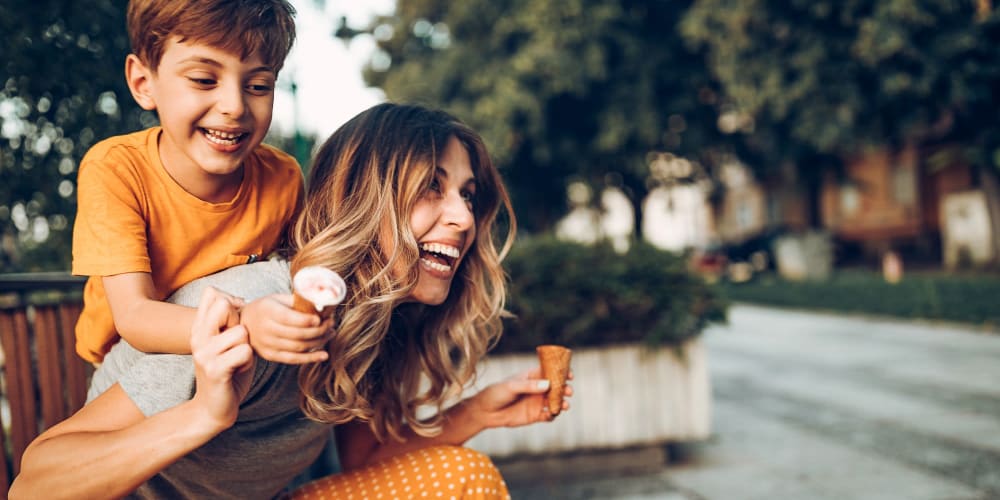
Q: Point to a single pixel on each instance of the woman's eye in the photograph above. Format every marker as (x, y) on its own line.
(434, 186)
(469, 197)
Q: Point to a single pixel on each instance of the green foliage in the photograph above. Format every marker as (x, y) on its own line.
(832, 76)
(963, 298)
(583, 89)
(301, 146)
(63, 90)
(562, 91)
(577, 295)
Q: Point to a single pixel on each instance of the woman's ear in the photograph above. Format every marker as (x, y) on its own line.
(139, 78)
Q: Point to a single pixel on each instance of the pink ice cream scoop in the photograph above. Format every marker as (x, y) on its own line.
(316, 289)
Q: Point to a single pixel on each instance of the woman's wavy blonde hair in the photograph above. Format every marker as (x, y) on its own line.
(388, 357)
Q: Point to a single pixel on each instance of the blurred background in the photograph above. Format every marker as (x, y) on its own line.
(688, 176)
(796, 137)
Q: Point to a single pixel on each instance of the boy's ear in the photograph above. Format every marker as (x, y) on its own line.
(139, 78)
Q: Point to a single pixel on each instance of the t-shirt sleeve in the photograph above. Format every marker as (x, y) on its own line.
(109, 235)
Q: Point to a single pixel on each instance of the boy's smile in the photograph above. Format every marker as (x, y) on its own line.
(214, 109)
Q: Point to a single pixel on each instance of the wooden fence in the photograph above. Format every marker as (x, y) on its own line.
(43, 380)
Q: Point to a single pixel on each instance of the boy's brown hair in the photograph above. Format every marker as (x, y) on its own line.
(243, 27)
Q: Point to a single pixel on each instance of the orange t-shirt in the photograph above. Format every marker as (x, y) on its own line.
(133, 217)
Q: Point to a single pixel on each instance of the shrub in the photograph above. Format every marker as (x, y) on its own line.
(935, 296)
(576, 295)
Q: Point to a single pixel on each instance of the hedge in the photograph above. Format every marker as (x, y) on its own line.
(929, 295)
(579, 295)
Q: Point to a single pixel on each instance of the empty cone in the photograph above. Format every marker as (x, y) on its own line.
(555, 368)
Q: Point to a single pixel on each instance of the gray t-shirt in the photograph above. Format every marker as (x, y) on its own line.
(272, 440)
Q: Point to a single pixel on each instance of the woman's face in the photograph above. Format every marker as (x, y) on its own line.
(443, 223)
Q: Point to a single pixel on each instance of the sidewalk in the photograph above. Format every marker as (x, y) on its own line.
(818, 407)
(637, 473)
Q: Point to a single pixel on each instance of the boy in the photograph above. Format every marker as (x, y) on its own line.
(197, 194)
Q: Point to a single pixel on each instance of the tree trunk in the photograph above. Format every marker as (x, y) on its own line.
(812, 182)
(635, 190)
(990, 180)
(637, 215)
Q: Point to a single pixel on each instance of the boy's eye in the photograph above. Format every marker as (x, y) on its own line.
(260, 88)
(203, 81)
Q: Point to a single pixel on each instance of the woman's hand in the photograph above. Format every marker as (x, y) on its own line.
(519, 400)
(223, 359)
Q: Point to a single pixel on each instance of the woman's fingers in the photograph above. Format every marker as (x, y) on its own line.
(528, 386)
(238, 357)
(213, 315)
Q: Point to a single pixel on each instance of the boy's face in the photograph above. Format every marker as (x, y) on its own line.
(214, 109)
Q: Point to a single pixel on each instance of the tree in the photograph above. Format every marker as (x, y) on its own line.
(822, 79)
(562, 91)
(63, 90)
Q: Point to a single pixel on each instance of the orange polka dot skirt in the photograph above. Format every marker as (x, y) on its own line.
(439, 472)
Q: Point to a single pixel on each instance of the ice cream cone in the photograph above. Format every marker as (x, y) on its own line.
(316, 289)
(302, 304)
(555, 368)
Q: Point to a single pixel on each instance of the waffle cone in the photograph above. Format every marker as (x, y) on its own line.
(555, 367)
(302, 304)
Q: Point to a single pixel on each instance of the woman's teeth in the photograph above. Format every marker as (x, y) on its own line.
(441, 256)
(434, 265)
(438, 248)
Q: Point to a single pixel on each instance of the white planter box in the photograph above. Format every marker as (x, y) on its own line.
(625, 395)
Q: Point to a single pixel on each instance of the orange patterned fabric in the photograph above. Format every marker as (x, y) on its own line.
(448, 472)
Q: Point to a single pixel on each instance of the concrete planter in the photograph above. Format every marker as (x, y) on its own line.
(624, 395)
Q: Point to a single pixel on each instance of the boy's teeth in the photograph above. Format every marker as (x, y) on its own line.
(220, 137)
(439, 248)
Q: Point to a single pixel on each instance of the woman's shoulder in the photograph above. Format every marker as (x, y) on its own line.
(247, 281)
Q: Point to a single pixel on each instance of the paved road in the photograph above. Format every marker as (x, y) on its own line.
(816, 406)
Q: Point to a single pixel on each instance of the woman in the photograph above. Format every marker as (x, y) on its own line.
(402, 203)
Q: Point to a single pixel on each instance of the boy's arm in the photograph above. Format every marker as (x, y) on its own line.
(109, 448)
(150, 325)
(277, 332)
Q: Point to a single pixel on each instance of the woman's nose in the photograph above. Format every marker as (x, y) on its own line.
(457, 211)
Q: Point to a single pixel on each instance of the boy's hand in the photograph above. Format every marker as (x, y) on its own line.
(282, 334)
(223, 359)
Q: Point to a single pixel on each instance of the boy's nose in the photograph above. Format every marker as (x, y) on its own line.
(231, 101)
